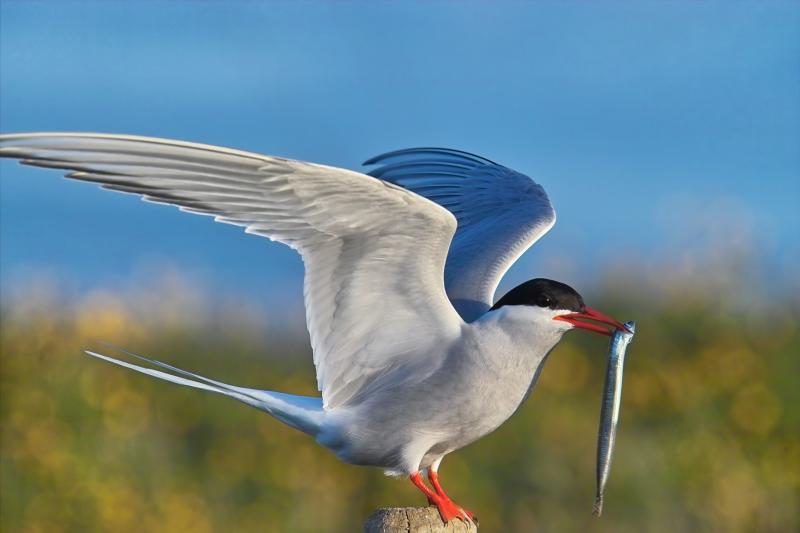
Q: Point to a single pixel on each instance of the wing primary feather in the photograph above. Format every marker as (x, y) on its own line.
(458, 154)
(500, 214)
(354, 233)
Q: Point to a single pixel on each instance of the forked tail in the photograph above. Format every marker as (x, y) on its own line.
(300, 412)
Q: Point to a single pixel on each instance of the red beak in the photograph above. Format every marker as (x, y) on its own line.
(595, 315)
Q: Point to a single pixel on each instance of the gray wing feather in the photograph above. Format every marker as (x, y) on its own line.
(500, 214)
(374, 253)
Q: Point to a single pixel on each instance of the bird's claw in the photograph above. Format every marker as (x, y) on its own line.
(448, 510)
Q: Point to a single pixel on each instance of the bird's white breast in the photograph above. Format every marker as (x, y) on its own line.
(502, 355)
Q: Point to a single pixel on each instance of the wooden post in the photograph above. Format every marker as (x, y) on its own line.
(414, 520)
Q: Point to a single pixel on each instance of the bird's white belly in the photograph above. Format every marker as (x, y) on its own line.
(405, 428)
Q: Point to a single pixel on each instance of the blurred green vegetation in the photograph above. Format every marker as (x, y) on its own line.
(709, 437)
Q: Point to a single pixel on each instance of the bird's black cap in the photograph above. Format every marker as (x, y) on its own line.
(542, 292)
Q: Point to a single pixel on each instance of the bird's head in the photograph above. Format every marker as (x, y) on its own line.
(558, 307)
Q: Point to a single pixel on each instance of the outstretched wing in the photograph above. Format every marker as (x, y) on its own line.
(374, 253)
(500, 213)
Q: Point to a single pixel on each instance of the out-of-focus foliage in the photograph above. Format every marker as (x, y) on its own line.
(709, 437)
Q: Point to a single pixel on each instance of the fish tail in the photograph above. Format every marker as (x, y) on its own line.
(597, 510)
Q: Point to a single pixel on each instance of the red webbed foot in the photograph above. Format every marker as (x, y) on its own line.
(433, 477)
(448, 509)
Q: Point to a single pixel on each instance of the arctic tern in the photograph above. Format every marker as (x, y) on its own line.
(414, 358)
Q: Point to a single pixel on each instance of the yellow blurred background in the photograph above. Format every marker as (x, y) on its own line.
(666, 134)
(708, 440)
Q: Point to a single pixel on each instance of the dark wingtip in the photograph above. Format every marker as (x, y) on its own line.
(429, 150)
(372, 160)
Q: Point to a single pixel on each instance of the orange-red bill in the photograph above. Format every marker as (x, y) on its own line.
(577, 320)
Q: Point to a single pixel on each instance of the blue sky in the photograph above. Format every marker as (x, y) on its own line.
(660, 129)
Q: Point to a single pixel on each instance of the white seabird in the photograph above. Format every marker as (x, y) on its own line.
(413, 358)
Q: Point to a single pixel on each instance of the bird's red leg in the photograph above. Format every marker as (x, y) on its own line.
(416, 479)
(447, 509)
(433, 476)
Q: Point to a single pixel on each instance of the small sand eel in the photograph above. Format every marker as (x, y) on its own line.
(609, 409)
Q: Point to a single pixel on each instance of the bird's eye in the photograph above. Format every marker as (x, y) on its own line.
(544, 300)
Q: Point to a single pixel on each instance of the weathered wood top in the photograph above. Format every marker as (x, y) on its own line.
(414, 520)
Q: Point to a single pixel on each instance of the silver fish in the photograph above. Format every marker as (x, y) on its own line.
(609, 409)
